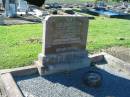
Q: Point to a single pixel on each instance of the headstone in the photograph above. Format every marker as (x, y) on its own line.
(64, 44)
(0, 1)
(10, 9)
(1, 19)
(7, 7)
(22, 6)
(13, 10)
(1, 5)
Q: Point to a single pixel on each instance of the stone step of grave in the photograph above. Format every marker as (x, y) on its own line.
(63, 62)
(64, 57)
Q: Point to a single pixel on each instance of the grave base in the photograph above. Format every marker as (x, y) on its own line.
(62, 62)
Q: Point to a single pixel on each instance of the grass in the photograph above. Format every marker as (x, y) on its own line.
(20, 45)
(106, 32)
(16, 48)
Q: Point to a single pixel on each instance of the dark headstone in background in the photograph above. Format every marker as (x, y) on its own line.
(36, 2)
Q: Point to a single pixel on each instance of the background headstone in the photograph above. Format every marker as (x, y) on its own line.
(13, 10)
(1, 19)
(7, 7)
(64, 44)
(10, 9)
(1, 4)
(22, 6)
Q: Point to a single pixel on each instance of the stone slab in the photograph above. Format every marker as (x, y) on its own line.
(64, 33)
(21, 71)
(10, 86)
(118, 62)
(2, 90)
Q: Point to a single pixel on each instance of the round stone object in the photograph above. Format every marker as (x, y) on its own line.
(93, 79)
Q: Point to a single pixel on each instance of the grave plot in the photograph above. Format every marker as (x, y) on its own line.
(64, 68)
(115, 80)
(115, 83)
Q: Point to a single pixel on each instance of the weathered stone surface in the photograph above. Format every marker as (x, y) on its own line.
(10, 85)
(64, 43)
(2, 90)
(64, 33)
(10, 8)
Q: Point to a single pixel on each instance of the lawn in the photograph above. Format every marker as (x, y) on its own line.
(20, 44)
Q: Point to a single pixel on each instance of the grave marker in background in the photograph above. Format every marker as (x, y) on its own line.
(64, 44)
(1, 19)
(22, 6)
(10, 9)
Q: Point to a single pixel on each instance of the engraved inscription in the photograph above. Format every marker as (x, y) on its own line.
(63, 34)
(66, 33)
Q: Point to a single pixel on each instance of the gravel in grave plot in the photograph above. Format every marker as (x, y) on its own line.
(122, 53)
(116, 83)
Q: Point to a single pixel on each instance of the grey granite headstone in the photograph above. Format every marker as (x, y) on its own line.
(64, 44)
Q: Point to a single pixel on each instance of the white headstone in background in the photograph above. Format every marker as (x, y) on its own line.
(1, 4)
(22, 6)
(13, 10)
(6, 7)
(0, 1)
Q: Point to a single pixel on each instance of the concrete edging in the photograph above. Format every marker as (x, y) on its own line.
(9, 83)
(110, 60)
(21, 71)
